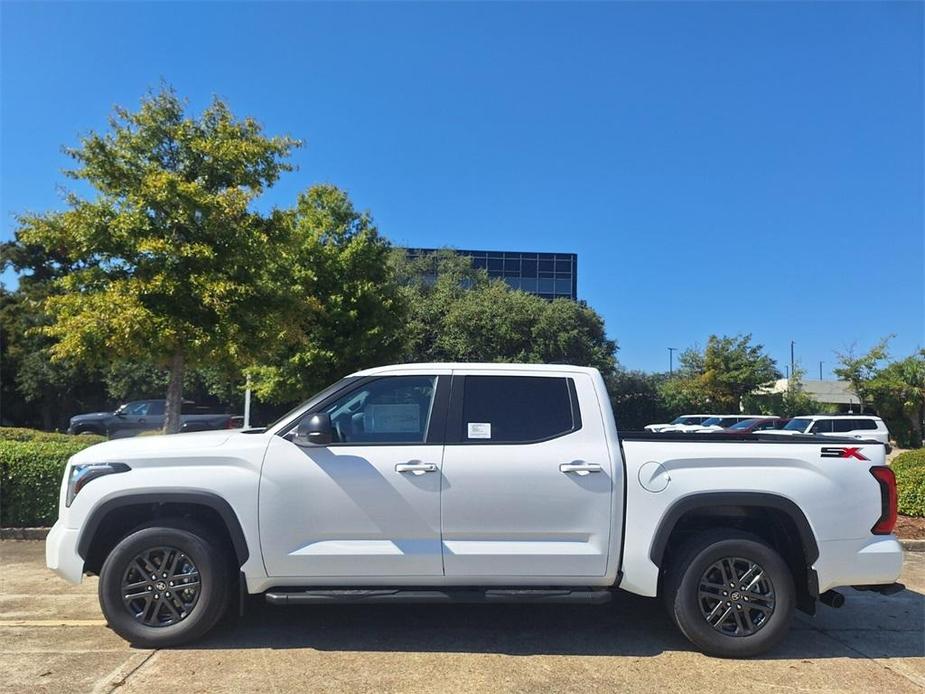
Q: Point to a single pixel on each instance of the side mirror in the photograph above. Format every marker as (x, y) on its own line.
(313, 431)
(120, 413)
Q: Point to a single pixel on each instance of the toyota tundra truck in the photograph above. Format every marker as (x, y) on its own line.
(475, 483)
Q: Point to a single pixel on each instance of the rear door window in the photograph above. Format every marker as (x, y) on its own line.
(515, 409)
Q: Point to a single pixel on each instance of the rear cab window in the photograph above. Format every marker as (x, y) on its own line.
(517, 409)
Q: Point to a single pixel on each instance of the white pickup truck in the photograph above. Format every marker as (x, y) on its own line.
(475, 482)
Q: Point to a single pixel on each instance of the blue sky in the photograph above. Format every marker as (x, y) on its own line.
(718, 168)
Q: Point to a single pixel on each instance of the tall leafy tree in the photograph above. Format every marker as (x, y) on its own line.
(458, 314)
(734, 367)
(860, 370)
(166, 263)
(895, 388)
(341, 304)
(720, 376)
(36, 390)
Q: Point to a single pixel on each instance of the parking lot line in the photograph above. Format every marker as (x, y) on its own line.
(52, 622)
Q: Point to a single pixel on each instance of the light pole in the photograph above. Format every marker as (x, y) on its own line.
(247, 404)
(792, 362)
(820, 369)
(671, 351)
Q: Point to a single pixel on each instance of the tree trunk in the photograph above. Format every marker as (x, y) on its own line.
(174, 395)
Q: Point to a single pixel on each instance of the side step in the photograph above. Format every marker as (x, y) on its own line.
(387, 595)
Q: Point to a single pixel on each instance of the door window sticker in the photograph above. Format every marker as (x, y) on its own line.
(390, 419)
(479, 430)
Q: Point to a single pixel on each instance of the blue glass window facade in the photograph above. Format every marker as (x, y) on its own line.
(549, 275)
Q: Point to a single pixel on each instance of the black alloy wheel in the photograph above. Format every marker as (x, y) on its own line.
(736, 596)
(161, 586)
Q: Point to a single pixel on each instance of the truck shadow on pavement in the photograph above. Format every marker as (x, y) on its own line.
(868, 626)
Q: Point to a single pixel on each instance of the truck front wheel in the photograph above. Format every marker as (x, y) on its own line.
(730, 594)
(164, 586)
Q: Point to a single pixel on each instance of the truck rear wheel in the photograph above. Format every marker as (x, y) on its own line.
(164, 586)
(730, 594)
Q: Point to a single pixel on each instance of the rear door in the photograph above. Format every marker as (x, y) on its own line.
(527, 477)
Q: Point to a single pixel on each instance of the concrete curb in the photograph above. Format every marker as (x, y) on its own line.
(42, 533)
(23, 533)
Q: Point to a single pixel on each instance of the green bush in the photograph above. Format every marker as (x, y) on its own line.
(30, 478)
(910, 482)
(23, 434)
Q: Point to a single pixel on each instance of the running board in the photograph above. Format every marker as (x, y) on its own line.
(494, 595)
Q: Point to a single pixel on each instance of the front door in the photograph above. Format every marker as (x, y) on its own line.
(368, 504)
(528, 479)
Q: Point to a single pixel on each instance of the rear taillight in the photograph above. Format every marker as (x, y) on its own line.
(887, 481)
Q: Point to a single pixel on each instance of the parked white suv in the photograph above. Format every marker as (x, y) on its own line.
(715, 423)
(475, 483)
(858, 426)
(684, 419)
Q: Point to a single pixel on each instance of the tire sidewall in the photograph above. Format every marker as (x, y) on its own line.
(209, 607)
(686, 608)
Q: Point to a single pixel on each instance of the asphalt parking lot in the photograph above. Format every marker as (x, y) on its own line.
(53, 638)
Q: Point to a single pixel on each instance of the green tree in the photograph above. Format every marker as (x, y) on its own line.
(342, 305)
(719, 377)
(167, 264)
(732, 368)
(795, 401)
(35, 390)
(458, 314)
(859, 371)
(637, 399)
(895, 388)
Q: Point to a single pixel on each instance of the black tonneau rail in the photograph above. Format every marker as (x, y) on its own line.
(731, 437)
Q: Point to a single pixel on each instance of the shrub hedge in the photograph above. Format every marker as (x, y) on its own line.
(23, 434)
(31, 467)
(910, 482)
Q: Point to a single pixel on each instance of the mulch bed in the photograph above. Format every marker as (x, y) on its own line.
(909, 528)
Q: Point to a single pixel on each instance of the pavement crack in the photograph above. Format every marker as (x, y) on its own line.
(113, 686)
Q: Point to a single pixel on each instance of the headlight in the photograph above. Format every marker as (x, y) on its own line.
(80, 475)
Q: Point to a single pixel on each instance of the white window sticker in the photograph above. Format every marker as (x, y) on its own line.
(479, 430)
(392, 419)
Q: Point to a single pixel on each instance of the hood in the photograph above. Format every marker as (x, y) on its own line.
(141, 447)
(90, 415)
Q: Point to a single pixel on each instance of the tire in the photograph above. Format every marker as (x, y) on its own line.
(89, 431)
(747, 622)
(186, 553)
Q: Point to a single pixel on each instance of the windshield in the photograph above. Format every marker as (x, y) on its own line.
(798, 424)
(686, 419)
(745, 424)
(712, 421)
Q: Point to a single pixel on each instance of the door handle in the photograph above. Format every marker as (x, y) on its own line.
(416, 468)
(580, 468)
